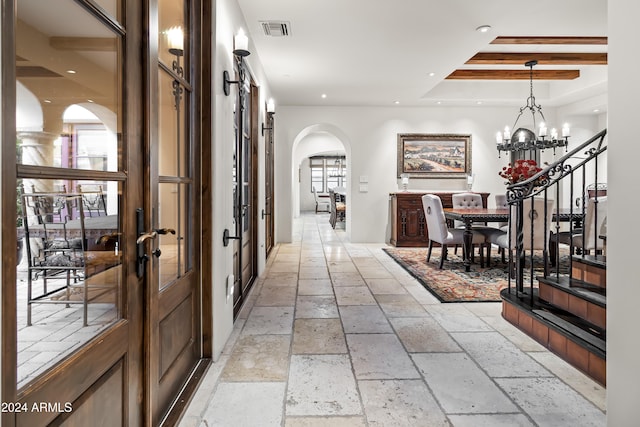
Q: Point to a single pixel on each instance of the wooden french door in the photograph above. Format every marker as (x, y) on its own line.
(268, 183)
(244, 191)
(105, 104)
(72, 344)
(172, 239)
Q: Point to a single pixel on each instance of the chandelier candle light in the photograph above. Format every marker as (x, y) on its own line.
(523, 139)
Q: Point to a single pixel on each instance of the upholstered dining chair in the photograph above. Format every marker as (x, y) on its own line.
(440, 233)
(536, 211)
(502, 203)
(469, 201)
(587, 238)
(322, 202)
(338, 209)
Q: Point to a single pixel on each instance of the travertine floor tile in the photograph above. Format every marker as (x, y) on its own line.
(550, 402)
(584, 385)
(269, 320)
(322, 385)
(316, 306)
(400, 306)
(423, 335)
(347, 279)
(456, 318)
(497, 420)
(403, 403)
(278, 296)
(385, 286)
(258, 358)
(325, 421)
(380, 356)
(460, 386)
(315, 287)
(498, 356)
(354, 295)
(318, 336)
(364, 319)
(246, 404)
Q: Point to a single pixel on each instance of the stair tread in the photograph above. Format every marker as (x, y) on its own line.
(573, 329)
(578, 288)
(599, 261)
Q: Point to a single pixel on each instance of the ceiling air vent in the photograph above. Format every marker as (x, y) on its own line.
(275, 28)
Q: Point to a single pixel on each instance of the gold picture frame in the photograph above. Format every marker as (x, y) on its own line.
(423, 155)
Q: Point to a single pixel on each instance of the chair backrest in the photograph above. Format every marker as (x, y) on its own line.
(595, 216)
(501, 201)
(93, 199)
(534, 210)
(332, 201)
(434, 216)
(52, 238)
(315, 194)
(467, 201)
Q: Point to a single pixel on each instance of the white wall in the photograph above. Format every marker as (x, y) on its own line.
(371, 135)
(227, 21)
(623, 291)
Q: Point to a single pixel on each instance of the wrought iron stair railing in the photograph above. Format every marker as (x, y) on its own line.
(576, 186)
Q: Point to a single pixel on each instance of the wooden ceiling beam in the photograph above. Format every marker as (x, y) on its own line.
(550, 40)
(513, 75)
(556, 58)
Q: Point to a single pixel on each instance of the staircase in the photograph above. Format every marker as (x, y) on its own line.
(564, 308)
(568, 316)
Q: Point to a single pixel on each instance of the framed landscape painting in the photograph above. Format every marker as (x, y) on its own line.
(434, 155)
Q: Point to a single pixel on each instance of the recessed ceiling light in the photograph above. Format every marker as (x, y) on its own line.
(596, 110)
(479, 102)
(483, 28)
(90, 100)
(47, 101)
(71, 71)
(438, 102)
(396, 102)
(432, 74)
(323, 96)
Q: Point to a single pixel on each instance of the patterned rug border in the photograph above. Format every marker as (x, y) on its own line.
(420, 278)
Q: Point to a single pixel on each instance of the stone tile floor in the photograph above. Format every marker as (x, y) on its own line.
(337, 334)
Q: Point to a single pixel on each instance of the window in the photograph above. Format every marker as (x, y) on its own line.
(328, 172)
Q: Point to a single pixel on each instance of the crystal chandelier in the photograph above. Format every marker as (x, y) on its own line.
(523, 139)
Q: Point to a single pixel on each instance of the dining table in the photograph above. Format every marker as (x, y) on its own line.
(487, 215)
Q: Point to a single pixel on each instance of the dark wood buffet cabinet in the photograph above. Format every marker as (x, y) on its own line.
(408, 226)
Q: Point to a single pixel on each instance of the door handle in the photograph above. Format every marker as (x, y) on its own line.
(226, 237)
(145, 236)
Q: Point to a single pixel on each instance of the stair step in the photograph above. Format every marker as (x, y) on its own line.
(563, 333)
(590, 269)
(573, 329)
(587, 291)
(594, 260)
(588, 303)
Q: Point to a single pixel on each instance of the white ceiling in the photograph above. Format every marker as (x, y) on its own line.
(377, 52)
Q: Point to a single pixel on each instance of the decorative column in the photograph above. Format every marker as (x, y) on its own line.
(37, 149)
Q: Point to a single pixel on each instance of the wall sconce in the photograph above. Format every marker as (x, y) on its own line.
(175, 41)
(241, 49)
(271, 110)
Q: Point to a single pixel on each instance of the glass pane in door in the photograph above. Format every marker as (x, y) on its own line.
(68, 146)
(173, 214)
(69, 278)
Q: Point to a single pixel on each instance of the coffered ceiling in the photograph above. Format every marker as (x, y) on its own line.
(428, 52)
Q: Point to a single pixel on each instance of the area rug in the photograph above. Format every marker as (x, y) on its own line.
(453, 283)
